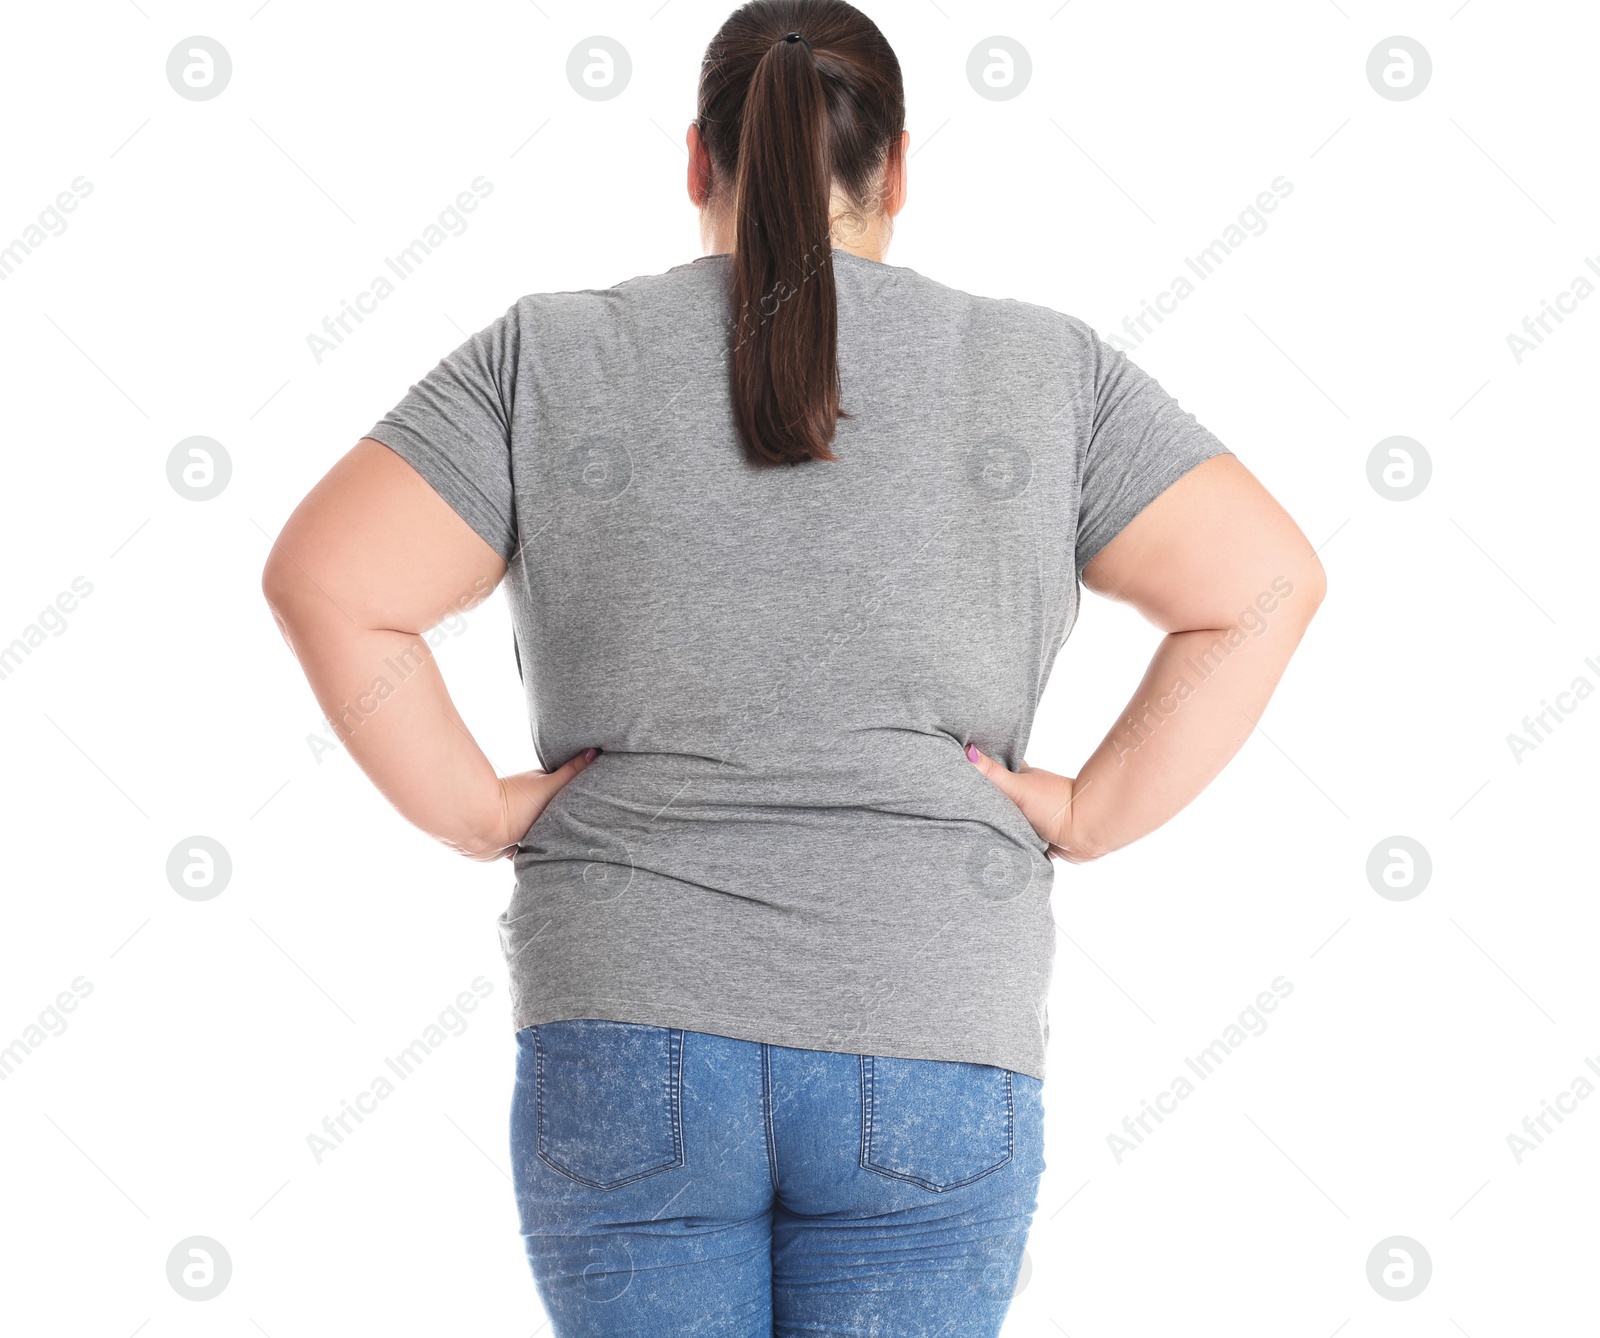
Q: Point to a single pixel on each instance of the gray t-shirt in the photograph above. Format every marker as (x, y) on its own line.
(783, 840)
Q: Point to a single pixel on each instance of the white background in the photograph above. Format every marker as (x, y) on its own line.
(219, 1034)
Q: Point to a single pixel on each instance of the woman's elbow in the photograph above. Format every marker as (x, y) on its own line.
(291, 593)
(1310, 583)
(279, 582)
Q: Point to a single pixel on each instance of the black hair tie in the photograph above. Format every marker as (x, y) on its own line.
(795, 37)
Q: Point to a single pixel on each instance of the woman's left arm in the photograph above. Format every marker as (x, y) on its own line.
(1219, 567)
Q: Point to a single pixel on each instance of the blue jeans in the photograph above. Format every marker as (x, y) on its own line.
(673, 1183)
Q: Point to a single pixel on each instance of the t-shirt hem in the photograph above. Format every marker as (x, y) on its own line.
(566, 1008)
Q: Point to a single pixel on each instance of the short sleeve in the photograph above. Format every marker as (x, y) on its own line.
(1141, 443)
(454, 428)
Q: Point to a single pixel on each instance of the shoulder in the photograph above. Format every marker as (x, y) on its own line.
(1007, 319)
(687, 303)
(699, 276)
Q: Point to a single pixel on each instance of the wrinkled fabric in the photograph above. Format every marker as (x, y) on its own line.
(783, 840)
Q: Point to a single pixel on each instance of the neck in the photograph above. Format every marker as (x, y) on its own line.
(864, 235)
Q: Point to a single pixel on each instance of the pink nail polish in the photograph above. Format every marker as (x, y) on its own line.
(972, 752)
(590, 755)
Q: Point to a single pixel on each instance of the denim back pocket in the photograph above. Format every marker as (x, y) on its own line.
(936, 1123)
(609, 1100)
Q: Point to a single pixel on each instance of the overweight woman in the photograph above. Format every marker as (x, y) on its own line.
(791, 537)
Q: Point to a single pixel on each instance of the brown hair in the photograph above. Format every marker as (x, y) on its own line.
(795, 95)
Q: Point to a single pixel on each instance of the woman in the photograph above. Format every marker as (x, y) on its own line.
(791, 538)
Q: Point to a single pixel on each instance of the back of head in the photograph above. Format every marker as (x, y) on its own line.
(798, 99)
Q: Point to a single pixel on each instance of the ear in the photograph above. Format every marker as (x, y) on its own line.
(699, 168)
(894, 176)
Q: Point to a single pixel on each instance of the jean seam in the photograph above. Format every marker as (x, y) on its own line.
(1011, 1118)
(675, 1088)
(866, 1112)
(768, 1132)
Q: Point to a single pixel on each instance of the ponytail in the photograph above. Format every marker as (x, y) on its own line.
(786, 336)
(796, 97)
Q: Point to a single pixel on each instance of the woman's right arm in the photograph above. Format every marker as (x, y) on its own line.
(369, 561)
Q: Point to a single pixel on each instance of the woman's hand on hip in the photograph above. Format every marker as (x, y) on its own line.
(1044, 798)
(522, 798)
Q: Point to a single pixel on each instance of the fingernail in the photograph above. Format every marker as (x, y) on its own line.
(589, 755)
(972, 752)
